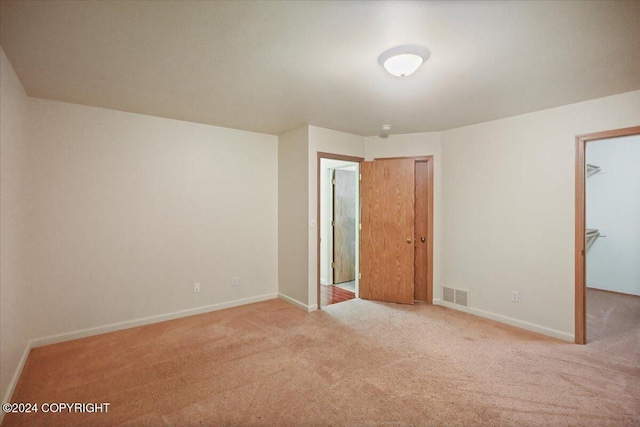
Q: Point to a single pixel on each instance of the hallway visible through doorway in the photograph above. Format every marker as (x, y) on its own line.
(339, 235)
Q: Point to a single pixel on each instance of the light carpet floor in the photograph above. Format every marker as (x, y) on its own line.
(358, 363)
(611, 316)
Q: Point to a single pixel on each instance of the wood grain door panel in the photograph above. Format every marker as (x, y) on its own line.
(387, 216)
(421, 230)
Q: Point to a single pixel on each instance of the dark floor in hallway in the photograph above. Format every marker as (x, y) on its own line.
(334, 294)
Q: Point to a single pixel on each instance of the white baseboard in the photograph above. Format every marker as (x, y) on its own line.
(16, 377)
(323, 282)
(510, 321)
(305, 307)
(147, 320)
(454, 306)
(614, 291)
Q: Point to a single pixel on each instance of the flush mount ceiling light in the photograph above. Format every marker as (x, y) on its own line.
(402, 61)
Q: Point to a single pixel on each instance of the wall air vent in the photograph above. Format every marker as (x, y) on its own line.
(448, 295)
(462, 297)
(455, 296)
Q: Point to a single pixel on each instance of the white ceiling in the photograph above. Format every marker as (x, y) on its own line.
(274, 66)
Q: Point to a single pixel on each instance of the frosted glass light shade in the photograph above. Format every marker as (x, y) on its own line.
(403, 65)
(402, 61)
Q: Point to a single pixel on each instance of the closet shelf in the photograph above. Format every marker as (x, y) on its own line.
(592, 235)
(592, 169)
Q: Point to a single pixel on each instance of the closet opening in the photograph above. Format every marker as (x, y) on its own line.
(607, 246)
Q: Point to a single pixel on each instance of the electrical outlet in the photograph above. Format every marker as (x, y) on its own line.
(234, 281)
(196, 287)
(515, 296)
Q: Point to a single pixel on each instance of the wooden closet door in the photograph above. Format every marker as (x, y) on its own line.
(387, 216)
(421, 292)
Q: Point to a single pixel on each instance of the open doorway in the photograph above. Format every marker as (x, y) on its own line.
(607, 236)
(338, 180)
(613, 237)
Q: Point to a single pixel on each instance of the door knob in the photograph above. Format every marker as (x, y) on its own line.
(422, 239)
(408, 239)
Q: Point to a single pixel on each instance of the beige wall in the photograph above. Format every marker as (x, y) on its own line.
(509, 195)
(129, 211)
(14, 322)
(326, 141)
(414, 145)
(298, 222)
(293, 214)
